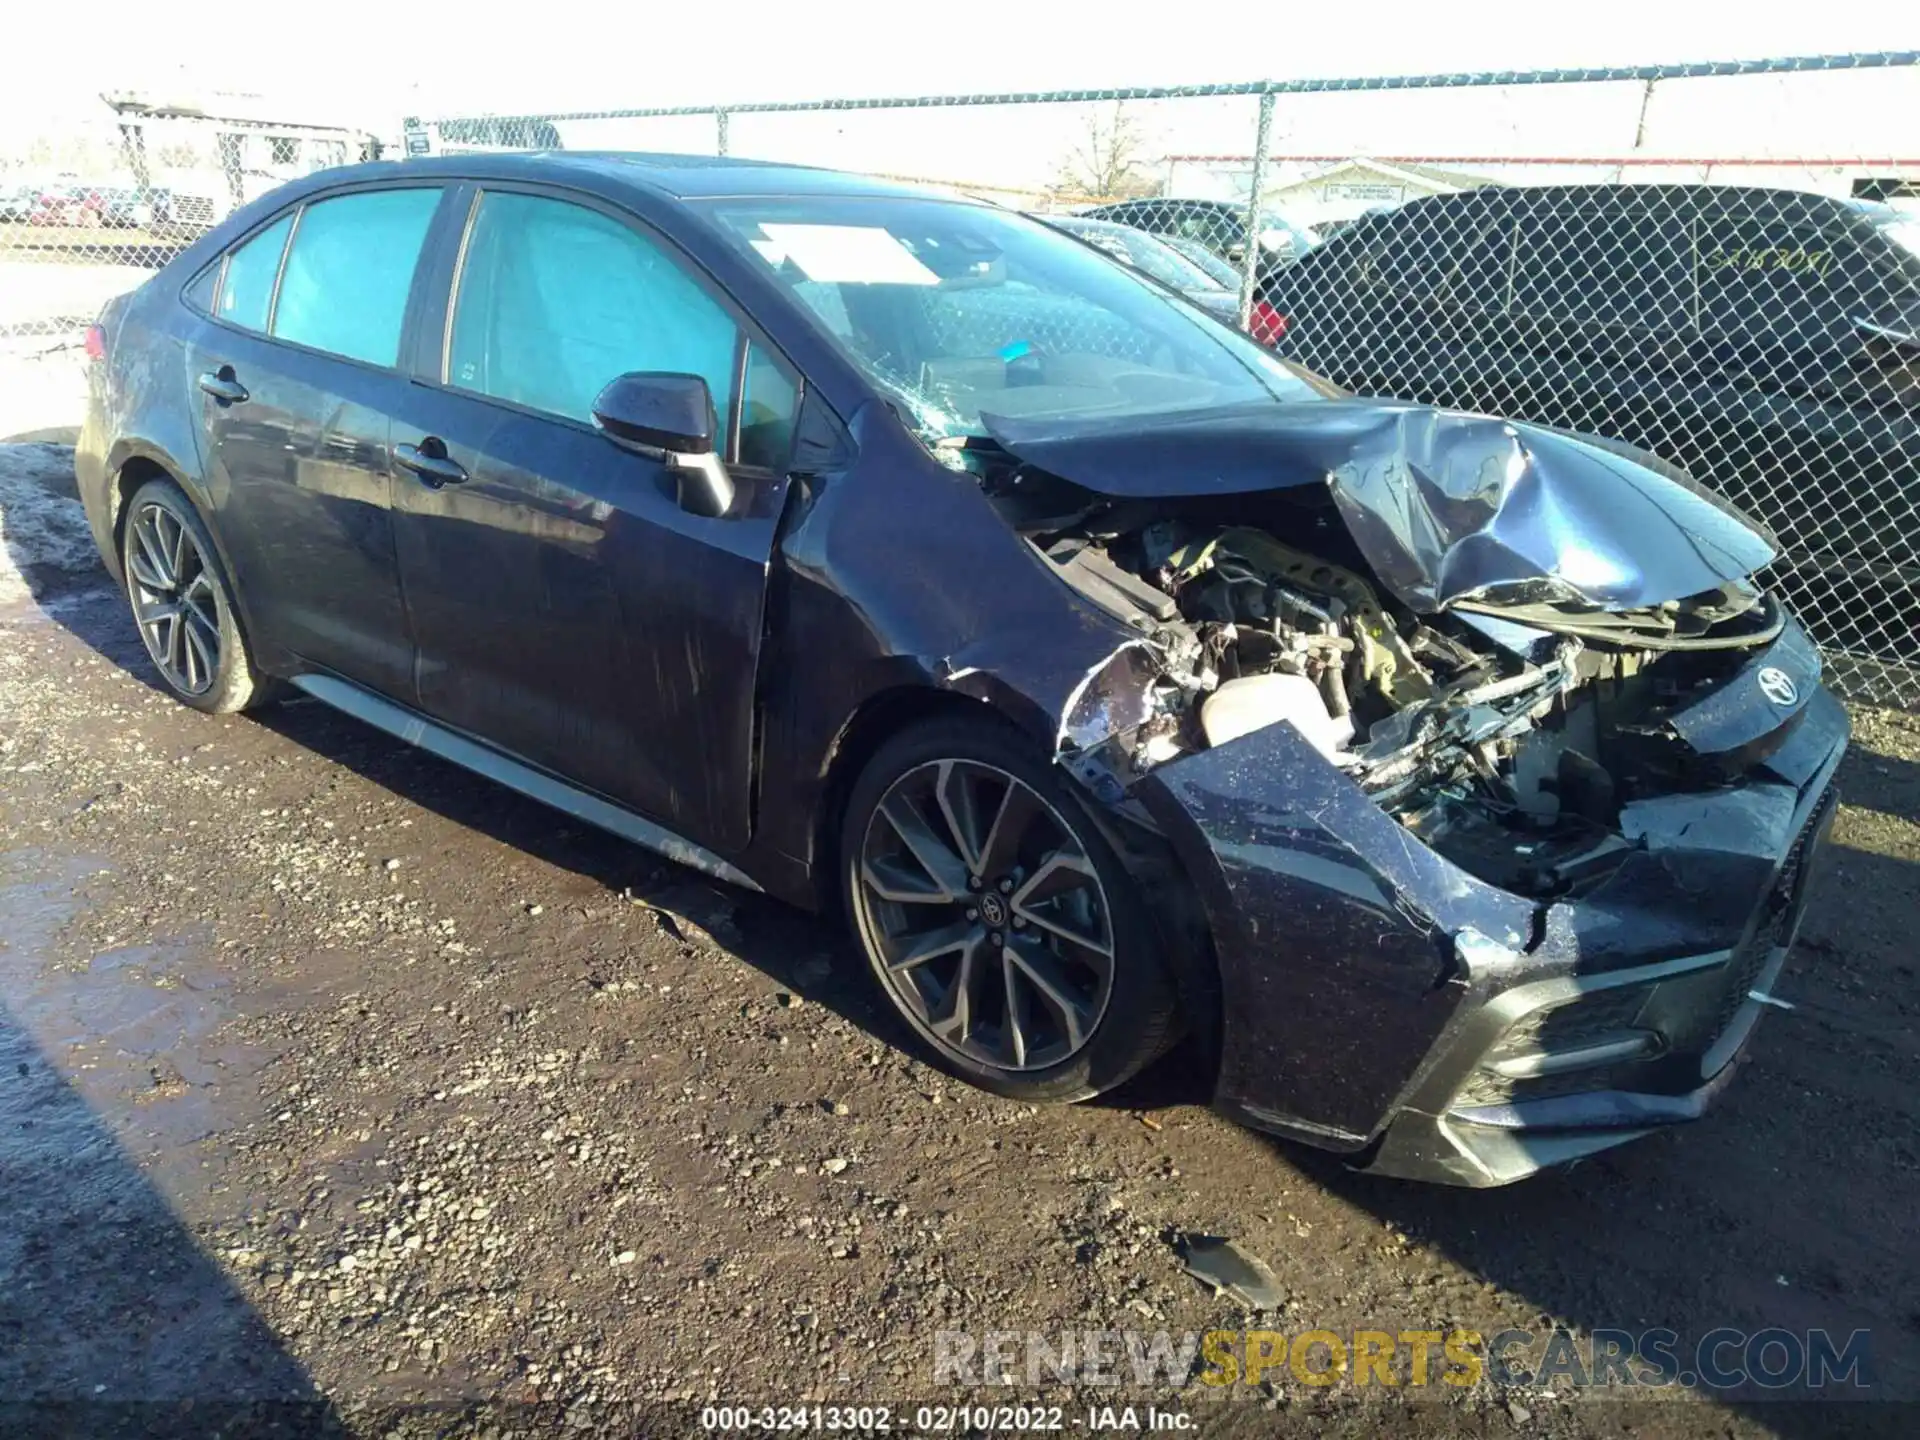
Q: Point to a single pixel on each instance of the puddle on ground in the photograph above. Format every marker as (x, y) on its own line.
(114, 1068)
(142, 1033)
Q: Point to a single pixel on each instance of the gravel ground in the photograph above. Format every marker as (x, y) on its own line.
(333, 1074)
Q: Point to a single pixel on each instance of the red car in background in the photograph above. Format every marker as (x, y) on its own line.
(66, 205)
(82, 206)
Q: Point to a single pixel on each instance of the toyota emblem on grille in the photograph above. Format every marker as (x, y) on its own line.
(1778, 686)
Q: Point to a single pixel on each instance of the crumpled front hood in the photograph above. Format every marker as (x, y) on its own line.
(1446, 507)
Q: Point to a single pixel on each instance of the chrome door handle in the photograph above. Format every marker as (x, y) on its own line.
(222, 386)
(429, 461)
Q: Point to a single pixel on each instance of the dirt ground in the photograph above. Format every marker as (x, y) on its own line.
(333, 1075)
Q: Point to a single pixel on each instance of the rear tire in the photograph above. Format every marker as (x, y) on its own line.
(998, 920)
(183, 604)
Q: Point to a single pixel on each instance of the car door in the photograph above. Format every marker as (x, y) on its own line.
(1407, 315)
(1801, 422)
(296, 370)
(1600, 311)
(565, 607)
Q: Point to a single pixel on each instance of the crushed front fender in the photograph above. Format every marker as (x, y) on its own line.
(1377, 999)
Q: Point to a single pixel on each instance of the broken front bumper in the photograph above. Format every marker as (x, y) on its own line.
(1378, 1000)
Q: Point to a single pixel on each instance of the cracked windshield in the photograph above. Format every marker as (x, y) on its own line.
(962, 311)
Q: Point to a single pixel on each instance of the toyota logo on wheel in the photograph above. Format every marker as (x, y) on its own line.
(1778, 686)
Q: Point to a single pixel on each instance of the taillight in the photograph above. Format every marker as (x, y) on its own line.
(96, 343)
(1266, 324)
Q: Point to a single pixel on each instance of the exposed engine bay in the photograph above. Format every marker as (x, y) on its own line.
(1506, 734)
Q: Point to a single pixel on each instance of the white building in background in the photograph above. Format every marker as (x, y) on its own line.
(1344, 190)
(211, 153)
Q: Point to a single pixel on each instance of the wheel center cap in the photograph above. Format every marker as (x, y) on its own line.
(993, 910)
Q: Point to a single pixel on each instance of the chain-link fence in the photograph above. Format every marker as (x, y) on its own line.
(93, 203)
(1716, 262)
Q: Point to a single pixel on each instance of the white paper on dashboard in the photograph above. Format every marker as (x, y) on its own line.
(857, 254)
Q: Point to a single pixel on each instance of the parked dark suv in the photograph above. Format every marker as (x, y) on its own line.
(1766, 341)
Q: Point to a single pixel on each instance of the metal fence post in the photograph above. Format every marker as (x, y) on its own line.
(720, 132)
(1250, 262)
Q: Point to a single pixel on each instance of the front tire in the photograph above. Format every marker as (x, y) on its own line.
(183, 603)
(998, 920)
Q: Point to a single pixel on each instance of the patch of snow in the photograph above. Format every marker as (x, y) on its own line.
(43, 531)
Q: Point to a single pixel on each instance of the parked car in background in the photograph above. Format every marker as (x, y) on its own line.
(154, 208)
(1767, 341)
(68, 205)
(86, 206)
(1451, 780)
(18, 202)
(1220, 225)
(1151, 255)
(122, 206)
(1206, 259)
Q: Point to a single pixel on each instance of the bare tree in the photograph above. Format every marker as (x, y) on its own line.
(1109, 159)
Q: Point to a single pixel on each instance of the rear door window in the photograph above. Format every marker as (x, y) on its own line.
(1769, 273)
(1433, 251)
(1443, 250)
(204, 293)
(349, 270)
(246, 289)
(1478, 270)
(556, 299)
(1606, 259)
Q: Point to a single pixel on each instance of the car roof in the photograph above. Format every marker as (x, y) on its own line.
(1147, 201)
(1744, 197)
(684, 177)
(1087, 222)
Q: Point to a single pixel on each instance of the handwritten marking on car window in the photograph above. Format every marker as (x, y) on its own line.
(1776, 257)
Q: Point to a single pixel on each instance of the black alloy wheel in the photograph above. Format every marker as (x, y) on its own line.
(183, 603)
(174, 599)
(999, 922)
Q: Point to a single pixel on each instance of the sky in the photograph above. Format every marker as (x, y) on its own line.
(369, 62)
(581, 54)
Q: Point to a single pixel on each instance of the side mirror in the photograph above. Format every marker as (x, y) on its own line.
(672, 416)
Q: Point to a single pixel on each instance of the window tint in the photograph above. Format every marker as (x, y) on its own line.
(1768, 272)
(247, 291)
(961, 311)
(1481, 276)
(349, 270)
(200, 293)
(767, 402)
(556, 300)
(1606, 260)
(1450, 249)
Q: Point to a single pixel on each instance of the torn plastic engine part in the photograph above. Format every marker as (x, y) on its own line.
(1250, 702)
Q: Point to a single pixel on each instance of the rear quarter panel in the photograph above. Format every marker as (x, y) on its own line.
(143, 412)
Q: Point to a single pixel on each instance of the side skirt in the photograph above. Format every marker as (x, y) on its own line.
(481, 759)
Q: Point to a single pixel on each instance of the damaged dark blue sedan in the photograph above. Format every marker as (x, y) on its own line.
(1452, 781)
